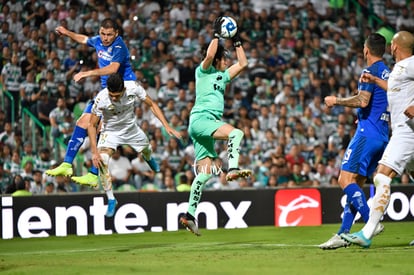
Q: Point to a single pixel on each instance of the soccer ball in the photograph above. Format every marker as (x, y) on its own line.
(228, 27)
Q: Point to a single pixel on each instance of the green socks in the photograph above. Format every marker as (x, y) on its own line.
(233, 148)
(196, 190)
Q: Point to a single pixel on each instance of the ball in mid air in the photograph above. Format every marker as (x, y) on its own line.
(228, 27)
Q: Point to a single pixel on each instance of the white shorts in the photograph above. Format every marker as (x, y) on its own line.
(399, 153)
(136, 139)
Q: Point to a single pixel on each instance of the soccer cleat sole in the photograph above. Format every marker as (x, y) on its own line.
(334, 243)
(55, 174)
(90, 184)
(345, 245)
(184, 222)
(238, 174)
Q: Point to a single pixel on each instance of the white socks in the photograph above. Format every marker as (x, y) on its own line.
(379, 204)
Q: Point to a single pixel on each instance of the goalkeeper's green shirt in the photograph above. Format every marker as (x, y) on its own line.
(210, 87)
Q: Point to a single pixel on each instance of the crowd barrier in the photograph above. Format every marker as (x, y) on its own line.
(138, 212)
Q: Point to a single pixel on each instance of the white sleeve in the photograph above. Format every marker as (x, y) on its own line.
(140, 92)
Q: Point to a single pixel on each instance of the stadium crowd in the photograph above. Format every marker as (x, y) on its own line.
(298, 53)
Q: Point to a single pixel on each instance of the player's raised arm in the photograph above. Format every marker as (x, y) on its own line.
(212, 47)
(159, 114)
(242, 62)
(107, 70)
(77, 37)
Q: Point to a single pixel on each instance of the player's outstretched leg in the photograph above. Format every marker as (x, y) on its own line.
(75, 142)
(188, 220)
(233, 148)
(107, 186)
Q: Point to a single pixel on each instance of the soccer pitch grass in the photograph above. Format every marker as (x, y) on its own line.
(254, 250)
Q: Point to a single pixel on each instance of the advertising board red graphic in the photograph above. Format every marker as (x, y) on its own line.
(298, 207)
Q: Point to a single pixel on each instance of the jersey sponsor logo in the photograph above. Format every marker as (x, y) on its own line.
(105, 55)
(385, 117)
(357, 194)
(385, 74)
(298, 207)
(111, 109)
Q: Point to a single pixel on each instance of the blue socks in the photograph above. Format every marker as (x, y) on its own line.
(355, 202)
(94, 170)
(347, 219)
(75, 142)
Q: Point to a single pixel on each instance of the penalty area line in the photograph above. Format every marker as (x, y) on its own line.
(279, 245)
(57, 251)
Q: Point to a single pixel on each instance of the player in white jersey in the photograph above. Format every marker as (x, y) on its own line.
(115, 106)
(399, 153)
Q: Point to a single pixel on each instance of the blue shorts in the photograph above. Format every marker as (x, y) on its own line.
(362, 155)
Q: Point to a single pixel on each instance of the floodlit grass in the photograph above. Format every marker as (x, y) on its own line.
(255, 250)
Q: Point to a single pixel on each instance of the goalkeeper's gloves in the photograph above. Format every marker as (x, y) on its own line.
(236, 40)
(217, 26)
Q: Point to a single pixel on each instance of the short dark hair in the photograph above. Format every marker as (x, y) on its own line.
(376, 43)
(108, 23)
(115, 83)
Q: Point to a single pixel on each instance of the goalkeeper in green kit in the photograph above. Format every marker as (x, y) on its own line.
(212, 76)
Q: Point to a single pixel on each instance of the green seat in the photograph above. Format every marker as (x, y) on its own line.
(126, 187)
(78, 110)
(387, 33)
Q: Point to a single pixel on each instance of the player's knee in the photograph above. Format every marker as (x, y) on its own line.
(105, 158)
(203, 177)
(83, 121)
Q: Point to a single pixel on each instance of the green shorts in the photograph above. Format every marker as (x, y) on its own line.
(201, 129)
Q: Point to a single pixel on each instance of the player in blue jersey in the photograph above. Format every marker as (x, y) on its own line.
(206, 126)
(113, 57)
(399, 154)
(371, 137)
